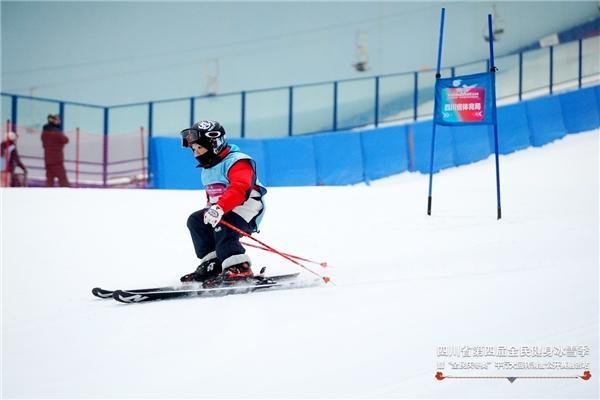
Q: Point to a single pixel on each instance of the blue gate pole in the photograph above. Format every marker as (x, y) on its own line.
(105, 149)
(290, 111)
(494, 116)
(376, 101)
(335, 104)
(243, 116)
(437, 76)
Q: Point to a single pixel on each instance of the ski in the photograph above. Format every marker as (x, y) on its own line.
(108, 294)
(223, 289)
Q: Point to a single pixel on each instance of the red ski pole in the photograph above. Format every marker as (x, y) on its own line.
(326, 279)
(322, 264)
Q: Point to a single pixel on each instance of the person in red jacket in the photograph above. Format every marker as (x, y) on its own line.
(10, 160)
(233, 194)
(54, 141)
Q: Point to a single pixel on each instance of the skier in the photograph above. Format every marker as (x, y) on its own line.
(233, 193)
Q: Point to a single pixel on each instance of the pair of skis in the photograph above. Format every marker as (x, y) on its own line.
(224, 288)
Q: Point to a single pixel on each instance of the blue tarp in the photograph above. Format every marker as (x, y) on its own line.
(173, 167)
(291, 161)
(471, 143)
(545, 120)
(513, 128)
(580, 110)
(338, 158)
(444, 152)
(384, 151)
(255, 148)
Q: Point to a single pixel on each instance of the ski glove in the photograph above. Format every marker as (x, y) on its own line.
(213, 215)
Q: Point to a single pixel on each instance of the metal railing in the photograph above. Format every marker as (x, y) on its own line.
(317, 107)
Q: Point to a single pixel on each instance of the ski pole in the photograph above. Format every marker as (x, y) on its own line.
(241, 232)
(322, 264)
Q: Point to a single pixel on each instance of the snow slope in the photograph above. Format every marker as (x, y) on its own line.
(406, 284)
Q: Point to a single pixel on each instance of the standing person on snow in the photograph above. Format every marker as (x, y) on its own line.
(54, 141)
(9, 160)
(234, 195)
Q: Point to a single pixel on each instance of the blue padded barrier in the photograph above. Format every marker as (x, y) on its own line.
(291, 161)
(384, 151)
(471, 143)
(339, 158)
(255, 148)
(545, 120)
(580, 110)
(513, 129)
(443, 154)
(173, 167)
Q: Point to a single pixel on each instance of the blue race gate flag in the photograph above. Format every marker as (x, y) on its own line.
(465, 100)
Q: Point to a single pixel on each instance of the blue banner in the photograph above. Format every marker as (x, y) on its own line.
(465, 100)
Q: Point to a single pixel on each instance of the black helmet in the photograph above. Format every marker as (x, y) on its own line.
(208, 134)
(211, 136)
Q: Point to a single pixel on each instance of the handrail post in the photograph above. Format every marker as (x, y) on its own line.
(580, 66)
(551, 83)
(192, 110)
(415, 95)
(520, 75)
(105, 150)
(243, 115)
(335, 104)
(376, 112)
(290, 111)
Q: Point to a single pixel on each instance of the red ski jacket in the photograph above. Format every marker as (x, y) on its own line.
(54, 140)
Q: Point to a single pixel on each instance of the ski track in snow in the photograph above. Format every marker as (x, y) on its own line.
(405, 283)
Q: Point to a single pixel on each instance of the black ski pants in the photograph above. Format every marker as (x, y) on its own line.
(221, 239)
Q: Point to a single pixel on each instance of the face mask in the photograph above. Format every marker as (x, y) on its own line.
(207, 160)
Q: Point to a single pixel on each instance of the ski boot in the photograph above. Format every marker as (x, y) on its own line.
(207, 270)
(230, 276)
(238, 272)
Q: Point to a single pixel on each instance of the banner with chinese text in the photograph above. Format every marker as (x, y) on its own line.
(465, 100)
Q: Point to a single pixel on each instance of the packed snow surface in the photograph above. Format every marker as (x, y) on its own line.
(405, 284)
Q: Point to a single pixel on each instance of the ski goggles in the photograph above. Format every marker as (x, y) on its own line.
(192, 135)
(189, 136)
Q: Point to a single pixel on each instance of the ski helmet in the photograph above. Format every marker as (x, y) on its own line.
(208, 134)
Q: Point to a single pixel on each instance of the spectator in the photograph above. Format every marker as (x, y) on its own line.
(10, 160)
(54, 141)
